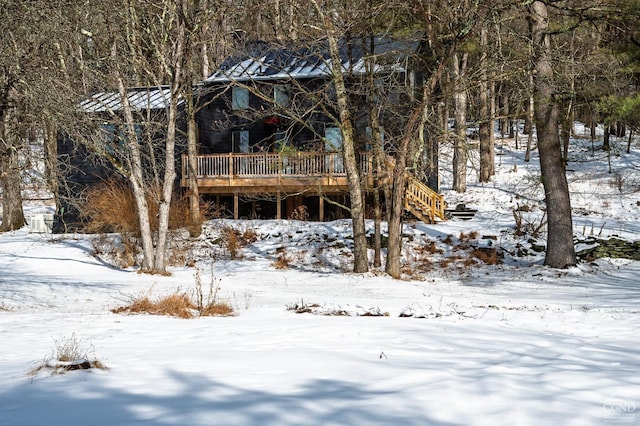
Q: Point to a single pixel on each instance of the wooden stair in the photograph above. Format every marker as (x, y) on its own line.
(421, 201)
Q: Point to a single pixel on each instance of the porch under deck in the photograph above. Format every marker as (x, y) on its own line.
(274, 174)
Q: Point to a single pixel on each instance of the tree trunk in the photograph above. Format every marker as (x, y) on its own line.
(560, 249)
(530, 118)
(484, 133)
(10, 176)
(195, 229)
(460, 141)
(415, 122)
(168, 182)
(565, 136)
(356, 193)
(51, 157)
(136, 179)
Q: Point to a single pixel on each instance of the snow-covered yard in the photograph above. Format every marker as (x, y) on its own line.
(457, 342)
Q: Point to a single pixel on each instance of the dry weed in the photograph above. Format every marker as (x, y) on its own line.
(181, 304)
(283, 260)
(300, 213)
(234, 240)
(466, 237)
(178, 304)
(70, 354)
(490, 256)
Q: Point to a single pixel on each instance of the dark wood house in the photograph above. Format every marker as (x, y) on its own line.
(269, 137)
(93, 151)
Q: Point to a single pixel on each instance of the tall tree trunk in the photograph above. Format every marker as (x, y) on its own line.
(192, 153)
(136, 178)
(51, 157)
(168, 182)
(379, 156)
(606, 144)
(356, 193)
(486, 122)
(460, 141)
(406, 149)
(10, 176)
(560, 249)
(492, 134)
(530, 117)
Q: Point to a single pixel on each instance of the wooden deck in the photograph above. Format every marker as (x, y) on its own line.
(308, 173)
(233, 173)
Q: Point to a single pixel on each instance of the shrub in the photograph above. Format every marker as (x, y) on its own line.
(300, 213)
(110, 207)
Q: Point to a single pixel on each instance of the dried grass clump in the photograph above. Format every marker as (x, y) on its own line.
(181, 304)
(234, 240)
(69, 355)
(429, 248)
(466, 237)
(490, 256)
(282, 261)
(178, 304)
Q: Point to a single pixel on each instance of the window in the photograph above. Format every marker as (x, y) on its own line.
(333, 143)
(115, 137)
(280, 138)
(332, 139)
(370, 141)
(240, 139)
(239, 98)
(281, 95)
(108, 132)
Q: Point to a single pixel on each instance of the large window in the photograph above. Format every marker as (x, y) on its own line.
(114, 137)
(240, 141)
(332, 139)
(370, 141)
(239, 98)
(281, 95)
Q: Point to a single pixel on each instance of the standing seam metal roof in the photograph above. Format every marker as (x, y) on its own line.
(267, 61)
(139, 99)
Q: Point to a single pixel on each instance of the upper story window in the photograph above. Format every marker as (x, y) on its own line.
(333, 139)
(281, 95)
(239, 98)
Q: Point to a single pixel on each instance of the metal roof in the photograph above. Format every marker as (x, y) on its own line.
(270, 61)
(139, 99)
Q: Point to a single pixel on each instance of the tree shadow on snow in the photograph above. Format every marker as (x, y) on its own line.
(196, 400)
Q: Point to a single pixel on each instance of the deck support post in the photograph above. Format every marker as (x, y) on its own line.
(320, 208)
(278, 206)
(235, 206)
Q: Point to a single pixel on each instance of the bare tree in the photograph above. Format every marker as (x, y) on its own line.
(560, 250)
(458, 76)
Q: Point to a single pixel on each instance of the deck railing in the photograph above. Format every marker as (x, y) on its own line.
(272, 164)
